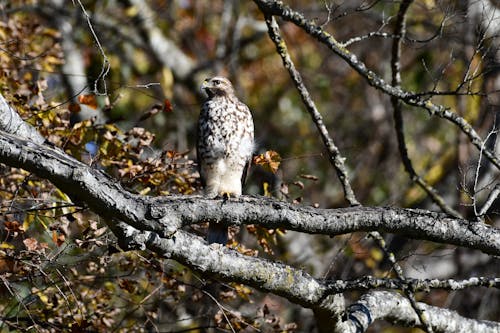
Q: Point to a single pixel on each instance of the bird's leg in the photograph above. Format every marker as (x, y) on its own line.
(226, 195)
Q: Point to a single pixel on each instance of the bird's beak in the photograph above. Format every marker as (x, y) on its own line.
(204, 85)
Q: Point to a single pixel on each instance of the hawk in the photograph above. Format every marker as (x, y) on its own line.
(224, 145)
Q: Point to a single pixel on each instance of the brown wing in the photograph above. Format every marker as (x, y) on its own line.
(246, 169)
(198, 136)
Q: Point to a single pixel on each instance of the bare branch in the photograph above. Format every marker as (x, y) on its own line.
(407, 289)
(491, 199)
(106, 66)
(492, 196)
(370, 282)
(166, 214)
(277, 8)
(163, 49)
(400, 32)
(335, 158)
(11, 122)
(294, 284)
(395, 308)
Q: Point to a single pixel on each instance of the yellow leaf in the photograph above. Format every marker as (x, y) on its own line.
(377, 254)
(44, 298)
(61, 195)
(145, 191)
(5, 245)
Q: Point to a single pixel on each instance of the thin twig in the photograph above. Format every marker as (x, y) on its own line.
(400, 30)
(492, 196)
(336, 159)
(222, 308)
(397, 104)
(406, 288)
(16, 296)
(105, 61)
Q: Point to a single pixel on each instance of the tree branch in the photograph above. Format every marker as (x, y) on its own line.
(406, 288)
(335, 158)
(370, 282)
(11, 122)
(296, 285)
(277, 8)
(400, 32)
(163, 49)
(396, 308)
(166, 214)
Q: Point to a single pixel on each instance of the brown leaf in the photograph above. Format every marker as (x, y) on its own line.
(128, 285)
(171, 153)
(31, 244)
(13, 226)
(270, 160)
(58, 238)
(89, 100)
(74, 108)
(167, 106)
(265, 310)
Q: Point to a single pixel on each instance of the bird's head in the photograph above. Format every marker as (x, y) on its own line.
(217, 86)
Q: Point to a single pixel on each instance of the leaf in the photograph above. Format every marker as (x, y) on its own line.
(167, 106)
(267, 192)
(270, 160)
(5, 245)
(33, 245)
(90, 100)
(74, 108)
(128, 285)
(58, 238)
(265, 310)
(13, 226)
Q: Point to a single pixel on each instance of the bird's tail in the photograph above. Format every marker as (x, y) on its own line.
(217, 233)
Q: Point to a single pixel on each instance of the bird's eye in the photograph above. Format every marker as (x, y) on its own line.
(216, 82)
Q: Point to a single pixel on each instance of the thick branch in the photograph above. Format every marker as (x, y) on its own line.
(395, 308)
(165, 214)
(230, 265)
(411, 223)
(11, 122)
(295, 285)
